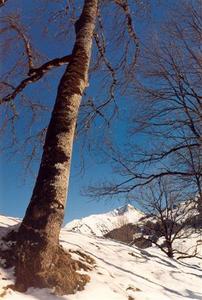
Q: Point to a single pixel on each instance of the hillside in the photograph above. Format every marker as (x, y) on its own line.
(120, 272)
(129, 225)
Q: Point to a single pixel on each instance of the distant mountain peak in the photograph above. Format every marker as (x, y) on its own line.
(101, 224)
(125, 208)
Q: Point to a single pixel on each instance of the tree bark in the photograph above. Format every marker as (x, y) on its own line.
(38, 235)
(199, 207)
(169, 248)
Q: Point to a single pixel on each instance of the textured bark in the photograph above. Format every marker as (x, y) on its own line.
(38, 236)
(199, 206)
(169, 249)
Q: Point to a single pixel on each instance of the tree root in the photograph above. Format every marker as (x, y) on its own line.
(62, 277)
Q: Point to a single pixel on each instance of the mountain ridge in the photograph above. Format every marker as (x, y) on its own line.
(101, 224)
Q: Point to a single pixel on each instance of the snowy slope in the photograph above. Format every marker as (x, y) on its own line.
(121, 272)
(6, 222)
(101, 224)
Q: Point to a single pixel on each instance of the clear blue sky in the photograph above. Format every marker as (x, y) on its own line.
(16, 189)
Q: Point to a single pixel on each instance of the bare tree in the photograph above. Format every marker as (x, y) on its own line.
(43, 219)
(38, 235)
(169, 219)
(167, 111)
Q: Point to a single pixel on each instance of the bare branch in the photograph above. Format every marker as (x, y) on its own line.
(35, 75)
(130, 27)
(13, 24)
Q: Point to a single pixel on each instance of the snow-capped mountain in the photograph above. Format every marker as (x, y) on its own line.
(100, 224)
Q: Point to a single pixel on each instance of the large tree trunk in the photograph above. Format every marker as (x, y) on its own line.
(38, 236)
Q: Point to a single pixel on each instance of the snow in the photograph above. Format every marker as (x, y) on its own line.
(120, 271)
(101, 224)
(6, 222)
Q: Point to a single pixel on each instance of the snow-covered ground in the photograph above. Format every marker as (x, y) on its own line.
(121, 272)
(100, 224)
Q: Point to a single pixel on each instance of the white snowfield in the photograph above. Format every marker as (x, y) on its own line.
(121, 272)
(101, 224)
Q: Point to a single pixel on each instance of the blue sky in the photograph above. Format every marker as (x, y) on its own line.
(16, 191)
(16, 187)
